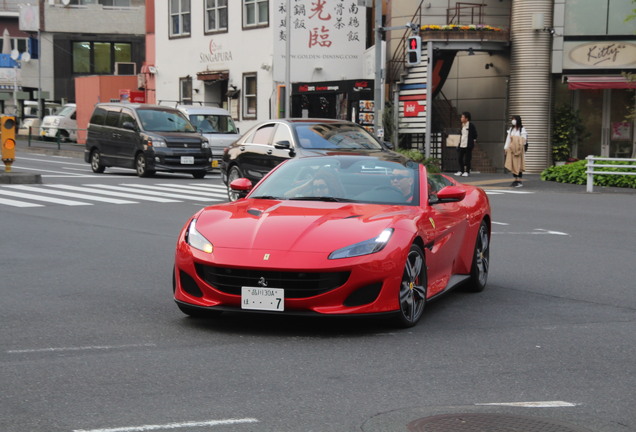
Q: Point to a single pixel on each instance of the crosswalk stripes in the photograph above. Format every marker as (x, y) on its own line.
(25, 196)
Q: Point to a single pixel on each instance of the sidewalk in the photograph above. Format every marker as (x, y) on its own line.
(531, 182)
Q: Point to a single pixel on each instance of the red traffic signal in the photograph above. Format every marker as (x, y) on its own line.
(413, 50)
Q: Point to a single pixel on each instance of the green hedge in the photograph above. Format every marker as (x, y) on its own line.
(432, 164)
(574, 173)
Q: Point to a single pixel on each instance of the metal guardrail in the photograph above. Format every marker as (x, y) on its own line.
(58, 137)
(591, 169)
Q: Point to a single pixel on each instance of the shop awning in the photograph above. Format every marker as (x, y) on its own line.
(213, 75)
(588, 82)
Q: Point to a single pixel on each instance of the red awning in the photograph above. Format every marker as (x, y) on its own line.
(576, 82)
(213, 75)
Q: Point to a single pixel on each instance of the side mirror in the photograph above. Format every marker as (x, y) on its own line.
(450, 194)
(282, 145)
(241, 186)
(130, 126)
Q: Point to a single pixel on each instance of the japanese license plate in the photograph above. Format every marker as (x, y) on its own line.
(215, 163)
(187, 160)
(258, 298)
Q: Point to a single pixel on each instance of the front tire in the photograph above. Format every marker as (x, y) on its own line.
(235, 173)
(140, 166)
(412, 296)
(481, 260)
(96, 164)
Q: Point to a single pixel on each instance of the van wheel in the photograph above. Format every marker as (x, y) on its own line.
(199, 174)
(63, 136)
(140, 165)
(96, 164)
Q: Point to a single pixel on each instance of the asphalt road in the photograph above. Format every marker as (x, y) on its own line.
(92, 341)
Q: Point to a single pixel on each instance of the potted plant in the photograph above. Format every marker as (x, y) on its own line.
(567, 130)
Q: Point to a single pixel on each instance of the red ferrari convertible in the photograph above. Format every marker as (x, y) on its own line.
(335, 235)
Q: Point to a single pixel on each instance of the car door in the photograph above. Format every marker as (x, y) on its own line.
(110, 142)
(128, 138)
(255, 153)
(450, 222)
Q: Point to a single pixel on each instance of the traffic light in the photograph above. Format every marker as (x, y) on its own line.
(7, 135)
(413, 50)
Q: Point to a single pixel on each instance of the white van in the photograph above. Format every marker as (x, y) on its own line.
(64, 123)
(215, 124)
(31, 117)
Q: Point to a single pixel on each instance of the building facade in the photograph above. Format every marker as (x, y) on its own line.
(59, 40)
(232, 54)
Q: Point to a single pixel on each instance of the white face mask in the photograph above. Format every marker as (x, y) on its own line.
(514, 122)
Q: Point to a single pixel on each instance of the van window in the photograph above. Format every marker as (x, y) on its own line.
(112, 118)
(213, 124)
(126, 116)
(98, 117)
(68, 111)
(164, 121)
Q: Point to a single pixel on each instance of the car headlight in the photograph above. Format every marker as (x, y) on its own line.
(364, 248)
(195, 239)
(205, 143)
(155, 142)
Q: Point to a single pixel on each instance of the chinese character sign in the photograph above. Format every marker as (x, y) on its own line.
(327, 39)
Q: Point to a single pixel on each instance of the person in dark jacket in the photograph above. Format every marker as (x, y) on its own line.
(466, 145)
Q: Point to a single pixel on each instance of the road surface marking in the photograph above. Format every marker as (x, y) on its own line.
(80, 348)
(144, 428)
(541, 404)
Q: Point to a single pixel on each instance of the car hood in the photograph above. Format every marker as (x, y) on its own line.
(299, 226)
(221, 140)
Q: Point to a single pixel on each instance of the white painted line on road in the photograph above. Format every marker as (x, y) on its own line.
(536, 231)
(113, 191)
(47, 160)
(144, 428)
(15, 203)
(500, 223)
(47, 171)
(41, 198)
(71, 194)
(80, 348)
(541, 404)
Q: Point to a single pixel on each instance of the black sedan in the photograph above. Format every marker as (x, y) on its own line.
(271, 142)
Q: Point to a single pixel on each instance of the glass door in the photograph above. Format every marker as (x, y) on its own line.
(621, 130)
(609, 133)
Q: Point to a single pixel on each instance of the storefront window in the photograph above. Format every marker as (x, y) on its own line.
(81, 57)
(99, 57)
(249, 96)
(185, 90)
(598, 17)
(102, 57)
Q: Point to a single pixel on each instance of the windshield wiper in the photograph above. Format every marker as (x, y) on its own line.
(322, 198)
(267, 197)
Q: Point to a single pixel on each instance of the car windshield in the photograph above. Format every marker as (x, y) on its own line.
(66, 111)
(213, 124)
(155, 120)
(342, 136)
(359, 179)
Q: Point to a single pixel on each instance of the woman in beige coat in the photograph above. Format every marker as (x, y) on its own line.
(514, 149)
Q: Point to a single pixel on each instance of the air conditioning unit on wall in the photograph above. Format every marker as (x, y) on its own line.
(125, 68)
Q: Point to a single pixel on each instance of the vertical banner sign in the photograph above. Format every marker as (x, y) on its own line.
(327, 40)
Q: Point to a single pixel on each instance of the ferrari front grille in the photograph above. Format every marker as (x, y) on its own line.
(297, 284)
